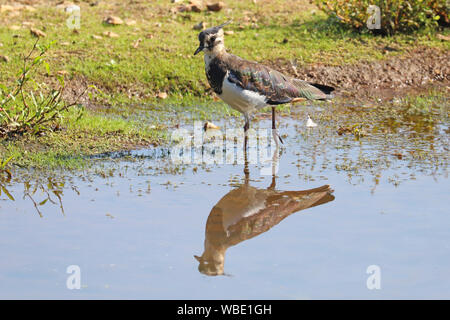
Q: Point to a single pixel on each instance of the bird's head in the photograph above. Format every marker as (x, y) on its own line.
(211, 40)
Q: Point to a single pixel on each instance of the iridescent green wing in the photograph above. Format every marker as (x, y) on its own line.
(277, 87)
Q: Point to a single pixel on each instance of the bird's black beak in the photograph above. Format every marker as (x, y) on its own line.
(199, 49)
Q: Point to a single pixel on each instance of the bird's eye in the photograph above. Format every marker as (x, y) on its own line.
(213, 39)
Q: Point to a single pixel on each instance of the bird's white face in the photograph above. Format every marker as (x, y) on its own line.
(211, 41)
(215, 42)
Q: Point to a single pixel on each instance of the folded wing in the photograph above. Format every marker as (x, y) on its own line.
(277, 87)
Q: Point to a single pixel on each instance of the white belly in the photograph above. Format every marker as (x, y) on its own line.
(244, 101)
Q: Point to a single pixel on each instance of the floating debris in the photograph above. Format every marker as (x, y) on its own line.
(398, 155)
(310, 123)
(210, 126)
(443, 37)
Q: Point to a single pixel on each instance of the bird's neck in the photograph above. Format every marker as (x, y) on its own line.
(218, 51)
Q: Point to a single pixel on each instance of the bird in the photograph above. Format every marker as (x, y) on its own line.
(246, 212)
(248, 86)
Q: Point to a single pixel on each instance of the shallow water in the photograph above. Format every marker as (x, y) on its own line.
(133, 224)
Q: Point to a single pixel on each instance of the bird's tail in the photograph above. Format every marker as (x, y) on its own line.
(325, 89)
(313, 91)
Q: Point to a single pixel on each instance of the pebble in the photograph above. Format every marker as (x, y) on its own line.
(113, 20)
(4, 58)
(37, 33)
(215, 6)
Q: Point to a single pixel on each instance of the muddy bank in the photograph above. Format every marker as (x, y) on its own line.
(416, 68)
(413, 71)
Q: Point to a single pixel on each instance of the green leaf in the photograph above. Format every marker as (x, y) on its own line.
(47, 67)
(8, 194)
(5, 162)
(37, 59)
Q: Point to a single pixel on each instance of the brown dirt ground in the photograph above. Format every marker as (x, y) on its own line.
(418, 68)
(414, 70)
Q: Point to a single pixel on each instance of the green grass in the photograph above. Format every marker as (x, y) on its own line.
(130, 78)
(92, 134)
(166, 62)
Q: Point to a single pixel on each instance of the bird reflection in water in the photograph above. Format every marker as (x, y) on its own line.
(246, 212)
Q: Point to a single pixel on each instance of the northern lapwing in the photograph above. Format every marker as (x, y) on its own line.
(247, 86)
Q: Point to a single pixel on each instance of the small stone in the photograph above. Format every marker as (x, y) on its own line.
(14, 28)
(113, 20)
(443, 37)
(6, 8)
(182, 8)
(129, 22)
(215, 6)
(149, 36)
(136, 43)
(196, 6)
(162, 95)
(4, 58)
(37, 33)
(29, 8)
(62, 72)
(210, 126)
(200, 26)
(110, 34)
(94, 36)
(14, 14)
(310, 123)
(229, 32)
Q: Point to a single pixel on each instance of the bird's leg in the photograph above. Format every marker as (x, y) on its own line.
(274, 183)
(246, 171)
(274, 167)
(246, 127)
(275, 134)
